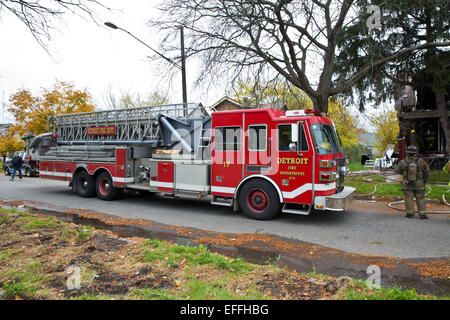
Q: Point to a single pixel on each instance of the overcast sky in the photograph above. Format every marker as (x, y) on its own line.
(91, 56)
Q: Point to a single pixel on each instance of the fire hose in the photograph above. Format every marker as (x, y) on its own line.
(392, 204)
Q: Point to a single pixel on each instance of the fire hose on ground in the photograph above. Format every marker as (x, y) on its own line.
(392, 204)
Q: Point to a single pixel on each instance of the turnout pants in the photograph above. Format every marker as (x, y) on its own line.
(420, 200)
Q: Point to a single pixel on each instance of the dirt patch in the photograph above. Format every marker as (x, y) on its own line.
(35, 264)
(106, 242)
(288, 287)
(310, 254)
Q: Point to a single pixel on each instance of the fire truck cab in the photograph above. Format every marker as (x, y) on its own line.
(268, 161)
(259, 161)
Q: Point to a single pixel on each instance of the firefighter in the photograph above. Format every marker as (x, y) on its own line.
(415, 172)
(414, 139)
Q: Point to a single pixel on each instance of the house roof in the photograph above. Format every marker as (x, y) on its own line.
(224, 99)
(277, 105)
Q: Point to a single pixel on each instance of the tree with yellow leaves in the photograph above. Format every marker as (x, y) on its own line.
(31, 112)
(346, 123)
(386, 126)
(9, 142)
(286, 94)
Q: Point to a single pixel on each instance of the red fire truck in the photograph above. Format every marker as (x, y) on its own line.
(259, 161)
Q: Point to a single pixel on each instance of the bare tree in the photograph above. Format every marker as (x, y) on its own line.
(38, 16)
(291, 39)
(133, 100)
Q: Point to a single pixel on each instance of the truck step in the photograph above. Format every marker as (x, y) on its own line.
(220, 201)
(139, 186)
(296, 209)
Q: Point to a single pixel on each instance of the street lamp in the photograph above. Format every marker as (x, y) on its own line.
(183, 64)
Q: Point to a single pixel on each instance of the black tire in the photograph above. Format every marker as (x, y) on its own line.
(105, 189)
(28, 172)
(84, 184)
(7, 171)
(259, 200)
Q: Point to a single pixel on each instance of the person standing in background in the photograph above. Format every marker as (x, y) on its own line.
(17, 162)
(415, 172)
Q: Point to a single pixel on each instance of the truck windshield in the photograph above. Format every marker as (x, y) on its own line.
(325, 139)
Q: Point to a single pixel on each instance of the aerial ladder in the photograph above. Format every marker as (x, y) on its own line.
(95, 135)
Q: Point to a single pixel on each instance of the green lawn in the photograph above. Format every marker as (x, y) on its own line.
(388, 189)
(360, 290)
(439, 177)
(366, 182)
(356, 166)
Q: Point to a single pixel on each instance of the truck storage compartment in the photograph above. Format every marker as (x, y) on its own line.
(193, 176)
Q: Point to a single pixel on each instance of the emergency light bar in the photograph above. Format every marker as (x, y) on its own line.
(296, 113)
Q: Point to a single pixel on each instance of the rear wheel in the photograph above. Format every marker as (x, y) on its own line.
(84, 184)
(104, 187)
(7, 171)
(259, 200)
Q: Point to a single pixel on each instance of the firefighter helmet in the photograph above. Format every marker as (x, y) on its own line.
(411, 149)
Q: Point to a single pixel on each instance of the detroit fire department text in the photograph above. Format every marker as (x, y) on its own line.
(258, 161)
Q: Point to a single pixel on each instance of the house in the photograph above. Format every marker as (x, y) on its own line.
(227, 103)
(417, 110)
(368, 140)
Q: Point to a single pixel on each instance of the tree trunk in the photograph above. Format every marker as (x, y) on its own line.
(443, 119)
(320, 103)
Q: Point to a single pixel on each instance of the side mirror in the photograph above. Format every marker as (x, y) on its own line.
(294, 132)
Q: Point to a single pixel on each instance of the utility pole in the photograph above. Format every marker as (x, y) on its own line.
(183, 60)
(183, 72)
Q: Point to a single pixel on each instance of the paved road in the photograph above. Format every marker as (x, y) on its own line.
(353, 231)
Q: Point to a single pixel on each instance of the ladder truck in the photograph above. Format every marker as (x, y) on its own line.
(257, 161)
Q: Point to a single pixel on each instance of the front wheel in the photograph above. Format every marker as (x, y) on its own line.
(259, 200)
(104, 187)
(7, 171)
